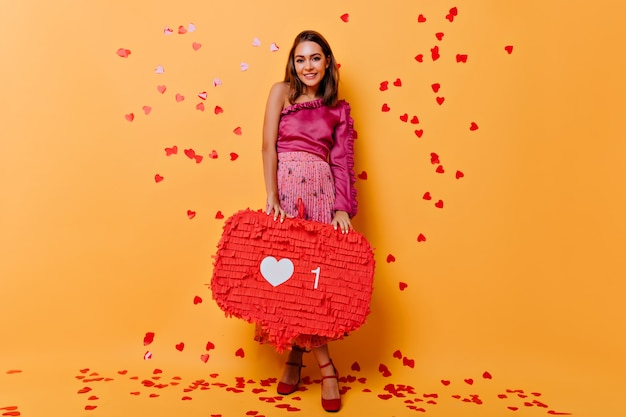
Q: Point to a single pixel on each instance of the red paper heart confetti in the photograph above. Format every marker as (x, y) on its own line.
(182, 30)
(402, 285)
(14, 371)
(398, 82)
(397, 354)
(158, 178)
(408, 362)
(555, 413)
(434, 158)
(419, 57)
(147, 355)
(240, 353)
(197, 300)
(384, 370)
(355, 367)
(210, 345)
(204, 357)
(122, 52)
(179, 97)
(427, 196)
(219, 215)
(213, 154)
(473, 126)
(419, 133)
(191, 214)
(445, 382)
(218, 110)
(180, 347)
(196, 45)
(233, 156)
(421, 18)
(415, 120)
(130, 117)
(435, 87)
(200, 106)
(440, 169)
(202, 95)
(198, 158)
(84, 390)
(385, 108)
(439, 36)
(439, 204)
(434, 53)
(384, 85)
(186, 398)
(404, 117)
(161, 88)
(459, 174)
(148, 338)
(362, 175)
(237, 131)
(345, 17)
(190, 153)
(147, 110)
(513, 408)
(89, 407)
(440, 100)
(461, 58)
(469, 381)
(486, 375)
(385, 396)
(93, 398)
(509, 49)
(421, 238)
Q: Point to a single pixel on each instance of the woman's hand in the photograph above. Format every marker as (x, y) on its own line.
(342, 220)
(273, 206)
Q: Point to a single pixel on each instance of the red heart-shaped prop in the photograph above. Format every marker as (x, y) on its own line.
(440, 169)
(419, 133)
(440, 100)
(345, 17)
(415, 120)
(384, 85)
(402, 285)
(179, 97)
(398, 82)
(434, 53)
(427, 196)
(439, 35)
(158, 178)
(191, 214)
(171, 151)
(218, 110)
(237, 131)
(233, 156)
(200, 106)
(461, 58)
(419, 58)
(148, 338)
(243, 271)
(421, 238)
(219, 215)
(161, 88)
(473, 126)
(196, 46)
(459, 174)
(404, 117)
(385, 108)
(391, 258)
(130, 117)
(362, 175)
(434, 158)
(240, 353)
(421, 18)
(509, 49)
(439, 204)
(180, 347)
(435, 87)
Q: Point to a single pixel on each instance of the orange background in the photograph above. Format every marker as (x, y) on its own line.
(521, 273)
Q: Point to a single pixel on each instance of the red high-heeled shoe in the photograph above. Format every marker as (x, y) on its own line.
(334, 404)
(285, 389)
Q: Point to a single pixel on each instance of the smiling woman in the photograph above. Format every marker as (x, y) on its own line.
(308, 167)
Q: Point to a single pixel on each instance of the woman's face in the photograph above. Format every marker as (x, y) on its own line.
(310, 64)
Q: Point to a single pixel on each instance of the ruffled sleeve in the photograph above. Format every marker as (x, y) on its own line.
(341, 161)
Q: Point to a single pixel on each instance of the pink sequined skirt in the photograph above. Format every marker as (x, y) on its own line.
(302, 175)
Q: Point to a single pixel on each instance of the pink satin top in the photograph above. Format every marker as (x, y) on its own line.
(327, 132)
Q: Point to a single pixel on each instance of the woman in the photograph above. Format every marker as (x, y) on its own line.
(308, 158)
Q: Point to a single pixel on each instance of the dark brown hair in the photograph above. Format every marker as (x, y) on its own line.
(329, 86)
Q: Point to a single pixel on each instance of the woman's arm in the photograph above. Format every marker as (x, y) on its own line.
(273, 108)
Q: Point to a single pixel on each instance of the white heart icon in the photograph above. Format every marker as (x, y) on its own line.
(276, 272)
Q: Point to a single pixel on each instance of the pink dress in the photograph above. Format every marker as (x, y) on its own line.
(315, 165)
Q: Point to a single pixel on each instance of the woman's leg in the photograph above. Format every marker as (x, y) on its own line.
(291, 373)
(330, 386)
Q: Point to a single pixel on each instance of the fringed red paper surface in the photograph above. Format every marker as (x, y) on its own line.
(292, 278)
